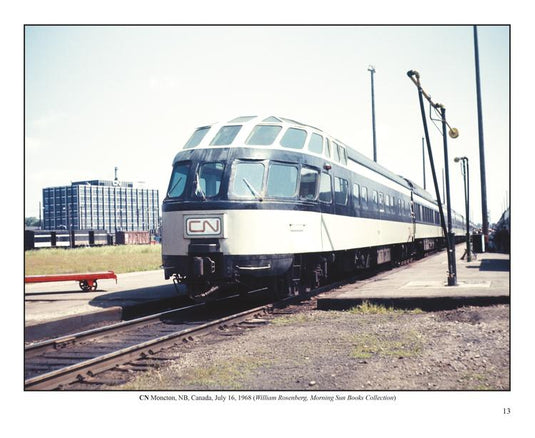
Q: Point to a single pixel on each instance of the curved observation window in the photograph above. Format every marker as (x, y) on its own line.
(225, 135)
(294, 138)
(248, 180)
(263, 135)
(316, 143)
(282, 181)
(197, 137)
(177, 184)
(209, 180)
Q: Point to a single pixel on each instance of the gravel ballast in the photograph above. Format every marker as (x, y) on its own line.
(308, 349)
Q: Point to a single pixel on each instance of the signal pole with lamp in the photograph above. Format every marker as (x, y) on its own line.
(453, 133)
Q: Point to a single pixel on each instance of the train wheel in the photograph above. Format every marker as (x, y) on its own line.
(84, 286)
(283, 287)
(94, 287)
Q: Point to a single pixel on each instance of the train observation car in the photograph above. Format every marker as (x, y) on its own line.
(271, 202)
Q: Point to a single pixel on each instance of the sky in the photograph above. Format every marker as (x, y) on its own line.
(99, 97)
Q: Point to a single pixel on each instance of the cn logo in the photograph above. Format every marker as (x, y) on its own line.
(203, 226)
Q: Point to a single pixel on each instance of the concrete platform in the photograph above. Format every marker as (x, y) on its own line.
(423, 284)
(57, 308)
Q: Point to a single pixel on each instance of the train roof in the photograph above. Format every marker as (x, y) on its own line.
(209, 136)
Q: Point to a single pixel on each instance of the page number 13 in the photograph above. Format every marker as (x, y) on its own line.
(506, 411)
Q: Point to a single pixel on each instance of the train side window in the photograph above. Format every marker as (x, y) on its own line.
(209, 182)
(381, 202)
(196, 137)
(309, 183)
(316, 143)
(340, 191)
(328, 148)
(364, 197)
(248, 179)
(294, 138)
(356, 195)
(263, 135)
(225, 135)
(282, 180)
(374, 198)
(177, 184)
(325, 188)
(343, 155)
(336, 150)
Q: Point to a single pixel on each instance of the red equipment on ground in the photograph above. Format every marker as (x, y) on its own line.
(87, 281)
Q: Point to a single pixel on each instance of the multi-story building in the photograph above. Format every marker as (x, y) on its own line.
(101, 205)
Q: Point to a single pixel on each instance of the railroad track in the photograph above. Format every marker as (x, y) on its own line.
(59, 362)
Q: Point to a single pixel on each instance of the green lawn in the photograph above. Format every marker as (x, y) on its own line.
(120, 259)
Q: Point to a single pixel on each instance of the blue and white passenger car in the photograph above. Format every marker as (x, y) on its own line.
(268, 201)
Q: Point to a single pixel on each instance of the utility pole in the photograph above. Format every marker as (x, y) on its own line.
(371, 69)
(484, 212)
(465, 170)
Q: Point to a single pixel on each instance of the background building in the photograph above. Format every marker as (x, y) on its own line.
(101, 205)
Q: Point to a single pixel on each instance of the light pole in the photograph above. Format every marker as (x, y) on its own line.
(453, 133)
(465, 170)
(482, 170)
(371, 69)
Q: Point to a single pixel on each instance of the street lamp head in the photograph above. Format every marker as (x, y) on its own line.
(453, 132)
(457, 159)
(371, 68)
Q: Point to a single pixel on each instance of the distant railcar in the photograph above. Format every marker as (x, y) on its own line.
(80, 238)
(34, 239)
(132, 237)
(61, 239)
(98, 237)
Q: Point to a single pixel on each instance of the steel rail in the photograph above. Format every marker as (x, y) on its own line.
(91, 367)
(35, 349)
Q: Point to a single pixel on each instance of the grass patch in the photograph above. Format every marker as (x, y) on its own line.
(120, 259)
(299, 318)
(404, 344)
(223, 375)
(367, 308)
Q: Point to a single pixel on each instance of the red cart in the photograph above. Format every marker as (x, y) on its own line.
(87, 281)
